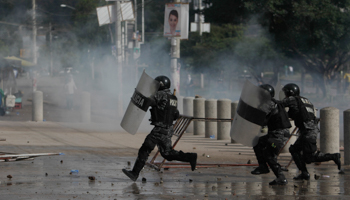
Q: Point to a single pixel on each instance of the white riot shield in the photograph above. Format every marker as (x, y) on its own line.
(139, 103)
(250, 114)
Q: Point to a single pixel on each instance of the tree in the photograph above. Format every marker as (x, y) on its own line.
(315, 32)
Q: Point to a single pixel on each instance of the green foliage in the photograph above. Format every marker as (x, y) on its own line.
(207, 51)
(86, 24)
(226, 12)
(313, 31)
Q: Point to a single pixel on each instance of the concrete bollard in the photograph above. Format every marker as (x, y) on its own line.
(180, 100)
(347, 137)
(188, 110)
(198, 112)
(38, 107)
(329, 136)
(85, 107)
(224, 112)
(210, 112)
(233, 112)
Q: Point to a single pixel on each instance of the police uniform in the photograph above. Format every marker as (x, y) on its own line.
(304, 150)
(269, 145)
(163, 113)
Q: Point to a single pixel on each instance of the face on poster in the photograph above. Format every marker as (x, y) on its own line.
(172, 20)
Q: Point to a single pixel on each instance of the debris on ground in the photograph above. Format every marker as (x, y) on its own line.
(92, 178)
(9, 176)
(144, 180)
(249, 162)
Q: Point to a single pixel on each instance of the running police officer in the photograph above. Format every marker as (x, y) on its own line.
(164, 111)
(304, 150)
(269, 145)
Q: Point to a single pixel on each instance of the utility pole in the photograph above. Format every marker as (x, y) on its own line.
(34, 78)
(200, 18)
(137, 43)
(34, 33)
(51, 64)
(118, 39)
(199, 25)
(175, 54)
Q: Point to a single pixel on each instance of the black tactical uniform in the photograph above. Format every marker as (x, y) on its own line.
(269, 145)
(304, 150)
(163, 113)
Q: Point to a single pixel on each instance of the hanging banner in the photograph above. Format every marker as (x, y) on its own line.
(176, 20)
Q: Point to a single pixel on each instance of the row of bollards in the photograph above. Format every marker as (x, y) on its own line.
(38, 107)
(209, 108)
(225, 109)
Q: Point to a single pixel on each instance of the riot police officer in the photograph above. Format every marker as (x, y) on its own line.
(269, 145)
(304, 150)
(163, 113)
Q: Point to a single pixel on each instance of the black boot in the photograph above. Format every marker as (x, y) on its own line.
(262, 169)
(303, 176)
(193, 161)
(320, 157)
(336, 159)
(186, 157)
(134, 173)
(281, 179)
(301, 166)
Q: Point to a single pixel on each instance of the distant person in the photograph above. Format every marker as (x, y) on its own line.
(70, 88)
(189, 86)
(291, 70)
(173, 20)
(347, 81)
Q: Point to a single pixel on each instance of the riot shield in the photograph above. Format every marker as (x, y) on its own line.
(139, 103)
(250, 115)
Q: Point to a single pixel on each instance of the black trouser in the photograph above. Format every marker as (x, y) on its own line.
(268, 148)
(304, 149)
(162, 138)
(269, 145)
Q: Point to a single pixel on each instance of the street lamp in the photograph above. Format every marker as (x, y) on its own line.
(66, 6)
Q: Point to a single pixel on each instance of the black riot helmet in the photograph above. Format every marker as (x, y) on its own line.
(291, 89)
(268, 88)
(164, 82)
